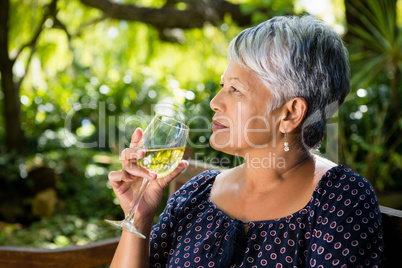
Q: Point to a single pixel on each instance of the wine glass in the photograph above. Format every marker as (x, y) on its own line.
(164, 141)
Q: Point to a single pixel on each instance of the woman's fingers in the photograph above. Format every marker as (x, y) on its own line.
(136, 137)
(180, 167)
(132, 154)
(119, 177)
(115, 175)
(129, 158)
(133, 169)
(128, 173)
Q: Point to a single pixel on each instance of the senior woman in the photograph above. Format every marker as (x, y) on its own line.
(285, 78)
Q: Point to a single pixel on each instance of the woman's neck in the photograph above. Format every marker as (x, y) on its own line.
(265, 171)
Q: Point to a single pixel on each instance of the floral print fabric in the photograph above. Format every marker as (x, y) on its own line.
(339, 227)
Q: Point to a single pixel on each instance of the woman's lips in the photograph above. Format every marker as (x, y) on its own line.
(216, 125)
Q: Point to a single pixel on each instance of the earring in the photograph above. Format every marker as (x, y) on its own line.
(286, 144)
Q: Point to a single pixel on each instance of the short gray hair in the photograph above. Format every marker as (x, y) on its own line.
(297, 57)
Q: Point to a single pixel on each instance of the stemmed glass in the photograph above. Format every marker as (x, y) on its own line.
(164, 141)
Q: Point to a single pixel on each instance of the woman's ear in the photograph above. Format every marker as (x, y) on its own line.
(293, 113)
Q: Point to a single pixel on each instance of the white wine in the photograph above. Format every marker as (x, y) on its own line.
(164, 133)
(161, 161)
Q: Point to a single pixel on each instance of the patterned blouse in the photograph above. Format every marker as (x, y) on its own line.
(339, 227)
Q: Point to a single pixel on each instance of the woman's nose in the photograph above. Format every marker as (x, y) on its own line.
(217, 104)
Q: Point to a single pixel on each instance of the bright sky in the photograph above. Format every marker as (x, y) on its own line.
(316, 7)
(322, 9)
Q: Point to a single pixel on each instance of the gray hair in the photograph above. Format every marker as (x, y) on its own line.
(297, 57)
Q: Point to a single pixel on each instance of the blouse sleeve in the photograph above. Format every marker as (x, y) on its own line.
(347, 229)
(163, 232)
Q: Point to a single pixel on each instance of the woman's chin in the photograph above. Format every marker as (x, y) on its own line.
(222, 145)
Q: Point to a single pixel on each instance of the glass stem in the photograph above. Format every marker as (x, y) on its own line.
(130, 216)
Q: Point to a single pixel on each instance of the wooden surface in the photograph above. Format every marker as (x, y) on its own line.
(101, 253)
(94, 254)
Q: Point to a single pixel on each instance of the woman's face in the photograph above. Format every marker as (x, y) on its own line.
(241, 122)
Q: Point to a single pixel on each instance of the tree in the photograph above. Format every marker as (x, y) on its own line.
(52, 40)
(14, 135)
(11, 104)
(173, 14)
(191, 14)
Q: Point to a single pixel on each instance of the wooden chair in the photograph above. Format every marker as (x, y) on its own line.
(101, 253)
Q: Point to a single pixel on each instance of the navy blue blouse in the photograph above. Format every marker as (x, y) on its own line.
(339, 227)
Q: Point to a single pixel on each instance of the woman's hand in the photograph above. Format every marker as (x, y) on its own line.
(127, 182)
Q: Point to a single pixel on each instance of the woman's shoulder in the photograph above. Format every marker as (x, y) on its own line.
(196, 187)
(344, 186)
(201, 180)
(338, 176)
(342, 175)
(345, 213)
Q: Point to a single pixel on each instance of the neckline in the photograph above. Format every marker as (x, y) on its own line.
(305, 209)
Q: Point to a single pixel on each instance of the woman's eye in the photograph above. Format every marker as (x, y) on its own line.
(234, 89)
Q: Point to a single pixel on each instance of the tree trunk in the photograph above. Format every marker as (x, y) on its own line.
(14, 136)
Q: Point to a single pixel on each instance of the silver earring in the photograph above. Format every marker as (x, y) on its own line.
(286, 144)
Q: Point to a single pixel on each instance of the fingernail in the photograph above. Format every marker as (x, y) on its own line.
(186, 163)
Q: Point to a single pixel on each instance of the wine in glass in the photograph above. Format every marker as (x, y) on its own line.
(164, 141)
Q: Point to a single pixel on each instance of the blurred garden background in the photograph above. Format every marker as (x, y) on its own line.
(78, 76)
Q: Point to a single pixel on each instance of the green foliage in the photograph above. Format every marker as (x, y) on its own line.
(257, 9)
(56, 232)
(376, 49)
(14, 193)
(371, 118)
(83, 182)
(86, 92)
(81, 100)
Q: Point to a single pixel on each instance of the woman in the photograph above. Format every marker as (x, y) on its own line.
(285, 78)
